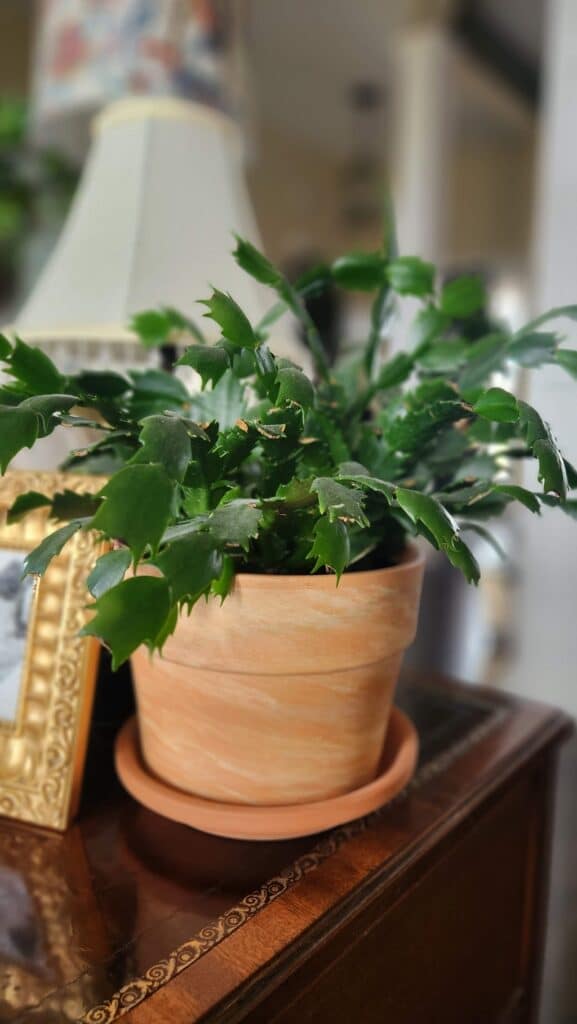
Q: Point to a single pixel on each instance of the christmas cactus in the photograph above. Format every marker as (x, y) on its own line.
(264, 470)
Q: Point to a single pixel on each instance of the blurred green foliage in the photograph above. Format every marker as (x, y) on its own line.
(31, 179)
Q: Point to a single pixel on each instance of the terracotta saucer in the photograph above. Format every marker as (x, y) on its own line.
(242, 821)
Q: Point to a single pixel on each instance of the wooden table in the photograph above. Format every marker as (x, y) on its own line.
(431, 910)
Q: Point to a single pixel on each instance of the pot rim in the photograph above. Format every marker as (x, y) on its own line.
(411, 558)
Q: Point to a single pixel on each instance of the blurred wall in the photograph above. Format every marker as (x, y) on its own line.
(492, 199)
(546, 663)
(16, 31)
(297, 192)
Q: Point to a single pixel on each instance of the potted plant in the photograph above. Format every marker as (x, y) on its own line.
(294, 505)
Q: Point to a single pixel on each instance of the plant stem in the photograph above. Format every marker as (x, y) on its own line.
(313, 339)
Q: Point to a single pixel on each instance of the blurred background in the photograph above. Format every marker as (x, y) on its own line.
(465, 108)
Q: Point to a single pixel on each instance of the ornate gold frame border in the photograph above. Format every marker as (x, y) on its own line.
(42, 752)
(135, 992)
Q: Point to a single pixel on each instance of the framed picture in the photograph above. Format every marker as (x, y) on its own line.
(47, 672)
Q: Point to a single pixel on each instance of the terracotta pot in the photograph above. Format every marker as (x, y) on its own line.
(283, 694)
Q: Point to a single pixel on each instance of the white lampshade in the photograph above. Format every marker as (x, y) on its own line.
(151, 225)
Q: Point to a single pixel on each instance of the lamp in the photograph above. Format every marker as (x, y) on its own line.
(152, 221)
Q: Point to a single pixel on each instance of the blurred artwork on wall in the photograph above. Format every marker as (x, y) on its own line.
(90, 52)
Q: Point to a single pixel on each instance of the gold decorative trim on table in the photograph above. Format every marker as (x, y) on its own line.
(42, 750)
(191, 951)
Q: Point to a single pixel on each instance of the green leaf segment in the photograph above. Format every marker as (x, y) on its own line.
(267, 471)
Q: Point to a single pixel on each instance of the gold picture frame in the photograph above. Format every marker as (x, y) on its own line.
(44, 731)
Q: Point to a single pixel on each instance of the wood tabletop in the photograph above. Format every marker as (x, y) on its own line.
(129, 913)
